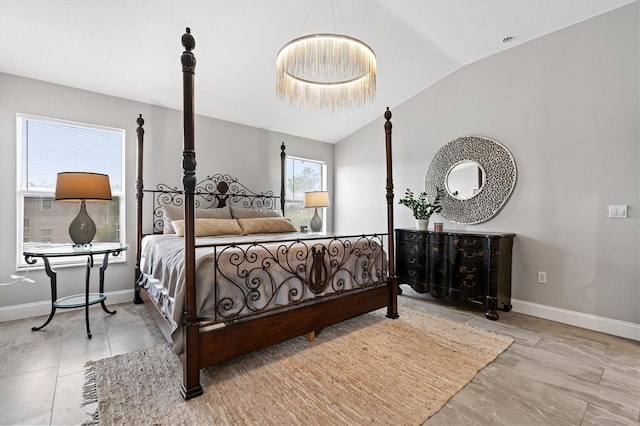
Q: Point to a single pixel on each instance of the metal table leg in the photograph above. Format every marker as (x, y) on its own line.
(54, 289)
(86, 292)
(105, 263)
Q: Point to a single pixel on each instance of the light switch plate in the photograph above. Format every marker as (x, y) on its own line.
(618, 211)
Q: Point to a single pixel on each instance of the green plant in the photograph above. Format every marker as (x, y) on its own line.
(421, 207)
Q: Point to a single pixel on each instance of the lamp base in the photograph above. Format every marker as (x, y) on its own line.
(82, 229)
(316, 222)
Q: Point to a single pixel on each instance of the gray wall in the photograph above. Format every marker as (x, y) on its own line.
(566, 106)
(241, 151)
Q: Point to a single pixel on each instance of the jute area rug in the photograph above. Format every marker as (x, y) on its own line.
(368, 370)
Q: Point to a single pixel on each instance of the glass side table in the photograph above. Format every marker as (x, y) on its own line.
(87, 299)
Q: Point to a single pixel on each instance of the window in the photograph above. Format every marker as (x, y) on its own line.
(302, 176)
(48, 146)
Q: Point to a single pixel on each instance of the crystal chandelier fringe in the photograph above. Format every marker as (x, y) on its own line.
(326, 71)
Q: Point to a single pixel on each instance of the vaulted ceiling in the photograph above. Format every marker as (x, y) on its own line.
(132, 49)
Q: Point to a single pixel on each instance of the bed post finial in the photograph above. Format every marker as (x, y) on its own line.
(188, 41)
(392, 306)
(188, 60)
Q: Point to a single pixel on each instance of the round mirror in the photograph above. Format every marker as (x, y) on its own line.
(465, 180)
(478, 174)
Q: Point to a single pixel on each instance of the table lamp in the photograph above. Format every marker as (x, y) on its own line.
(82, 187)
(316, 199)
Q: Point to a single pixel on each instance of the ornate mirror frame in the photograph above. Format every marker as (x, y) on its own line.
(500, 178)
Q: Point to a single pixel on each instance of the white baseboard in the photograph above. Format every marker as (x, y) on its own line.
(624, 329)
(28, 310)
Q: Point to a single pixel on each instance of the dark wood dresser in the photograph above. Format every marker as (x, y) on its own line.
(457, 266)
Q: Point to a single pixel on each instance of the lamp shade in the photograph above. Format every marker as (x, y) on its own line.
(316, 199)
(78, 186)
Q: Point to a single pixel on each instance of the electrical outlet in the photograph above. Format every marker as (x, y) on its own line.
(618, 211)
(542, 277)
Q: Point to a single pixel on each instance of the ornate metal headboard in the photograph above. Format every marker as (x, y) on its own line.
(215, 191)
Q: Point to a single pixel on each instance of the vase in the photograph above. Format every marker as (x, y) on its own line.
(422, 224)
(82, 229)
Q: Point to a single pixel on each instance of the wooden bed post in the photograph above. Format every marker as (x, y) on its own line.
(191, 363)
(139, 194)
(392, 306)
(283, 158)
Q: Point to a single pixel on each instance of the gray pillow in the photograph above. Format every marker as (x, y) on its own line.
(242, 213)
(171, 213)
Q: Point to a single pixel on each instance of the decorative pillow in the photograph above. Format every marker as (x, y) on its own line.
(171, 213)
(242, 213)
(266, 225)
(210, 227)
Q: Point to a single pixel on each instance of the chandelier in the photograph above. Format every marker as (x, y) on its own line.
(330, 72)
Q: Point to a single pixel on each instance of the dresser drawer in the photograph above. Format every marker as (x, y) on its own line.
(414, 277)
(408, 236)
(412, 252)
(411, 267)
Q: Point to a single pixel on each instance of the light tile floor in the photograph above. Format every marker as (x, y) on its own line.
(42, 372)
(553, 374)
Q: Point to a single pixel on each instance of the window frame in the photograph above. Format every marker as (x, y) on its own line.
(22, 193)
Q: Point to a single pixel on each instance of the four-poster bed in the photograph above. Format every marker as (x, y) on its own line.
(237, 277)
